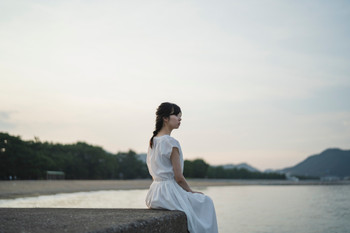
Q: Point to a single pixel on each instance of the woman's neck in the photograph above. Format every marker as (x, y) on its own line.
(164, 131)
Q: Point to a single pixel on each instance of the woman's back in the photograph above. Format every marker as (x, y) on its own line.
(158, 157)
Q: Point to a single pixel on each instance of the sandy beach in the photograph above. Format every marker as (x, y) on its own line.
(21, 188)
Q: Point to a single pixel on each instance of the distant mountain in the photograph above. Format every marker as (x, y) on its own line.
(331, 162)
(239, 166)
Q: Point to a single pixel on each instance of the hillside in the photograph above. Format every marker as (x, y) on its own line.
(331, 162)
(241, 165)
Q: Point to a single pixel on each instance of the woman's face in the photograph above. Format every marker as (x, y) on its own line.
(175, 121)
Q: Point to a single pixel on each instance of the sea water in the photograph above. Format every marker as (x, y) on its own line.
(241, 209)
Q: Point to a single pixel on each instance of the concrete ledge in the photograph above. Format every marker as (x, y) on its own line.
(91, 220)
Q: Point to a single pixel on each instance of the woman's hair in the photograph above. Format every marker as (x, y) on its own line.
(164, 111)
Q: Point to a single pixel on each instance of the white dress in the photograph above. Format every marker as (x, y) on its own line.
(165, 193)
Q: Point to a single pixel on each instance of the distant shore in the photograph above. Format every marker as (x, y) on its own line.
(30, 188)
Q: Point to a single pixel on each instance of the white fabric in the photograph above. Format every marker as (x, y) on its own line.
(165, 193)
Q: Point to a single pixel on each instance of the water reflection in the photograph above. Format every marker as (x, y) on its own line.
(95, 199)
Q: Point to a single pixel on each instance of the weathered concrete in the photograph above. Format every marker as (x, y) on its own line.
(54, 220)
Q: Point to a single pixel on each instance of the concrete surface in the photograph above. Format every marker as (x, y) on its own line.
(26, 220)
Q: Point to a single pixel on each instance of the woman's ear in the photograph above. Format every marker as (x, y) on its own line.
(165, 119)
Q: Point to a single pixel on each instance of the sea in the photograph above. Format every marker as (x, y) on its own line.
(241, 208)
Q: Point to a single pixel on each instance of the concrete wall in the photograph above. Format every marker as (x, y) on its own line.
(54, 220)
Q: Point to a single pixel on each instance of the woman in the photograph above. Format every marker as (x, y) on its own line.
(170, 189)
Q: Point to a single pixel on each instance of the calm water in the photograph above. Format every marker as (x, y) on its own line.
(241, 209)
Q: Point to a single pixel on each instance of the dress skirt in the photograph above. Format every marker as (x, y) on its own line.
(199, 208)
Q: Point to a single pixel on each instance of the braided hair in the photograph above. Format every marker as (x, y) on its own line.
(164, 110)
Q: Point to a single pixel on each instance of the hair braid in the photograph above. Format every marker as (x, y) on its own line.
(159, 124)
(164, 110)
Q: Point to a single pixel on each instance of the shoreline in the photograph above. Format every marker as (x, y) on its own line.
(32, 188)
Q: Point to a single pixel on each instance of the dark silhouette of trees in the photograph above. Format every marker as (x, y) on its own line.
(130, 166)
(196, 168)
(21, 159)
(218, 172)
(31, 159)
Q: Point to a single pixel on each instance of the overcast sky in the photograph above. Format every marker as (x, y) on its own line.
(262, 82)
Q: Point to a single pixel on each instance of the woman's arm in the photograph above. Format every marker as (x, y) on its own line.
(180, 179)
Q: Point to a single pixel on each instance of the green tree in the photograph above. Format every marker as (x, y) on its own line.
(200, 168)
(130, 166)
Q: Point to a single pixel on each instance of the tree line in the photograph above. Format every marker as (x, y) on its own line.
(198, 168)
(31, 159)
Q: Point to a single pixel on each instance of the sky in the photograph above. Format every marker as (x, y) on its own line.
(258, 81)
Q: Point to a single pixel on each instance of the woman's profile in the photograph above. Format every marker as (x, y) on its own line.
(169, 189)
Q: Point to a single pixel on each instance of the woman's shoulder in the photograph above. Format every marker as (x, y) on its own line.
(173, 140)
(168, 138)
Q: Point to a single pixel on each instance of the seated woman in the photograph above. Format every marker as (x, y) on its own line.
(169, 189)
